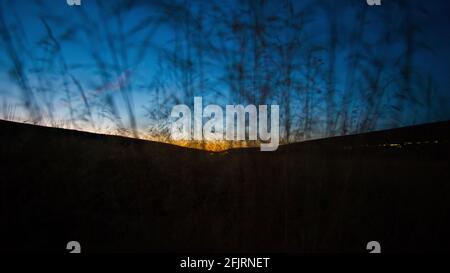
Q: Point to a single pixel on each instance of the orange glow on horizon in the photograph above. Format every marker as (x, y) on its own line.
(212, 146)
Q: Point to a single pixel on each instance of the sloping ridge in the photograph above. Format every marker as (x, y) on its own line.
(118, 194)
(417, 134)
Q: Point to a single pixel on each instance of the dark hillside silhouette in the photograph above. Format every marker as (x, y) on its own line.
(120, 194)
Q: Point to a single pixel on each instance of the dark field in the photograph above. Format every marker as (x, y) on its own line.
(117, 194)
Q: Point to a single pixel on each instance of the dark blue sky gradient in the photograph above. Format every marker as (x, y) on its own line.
(145, 80)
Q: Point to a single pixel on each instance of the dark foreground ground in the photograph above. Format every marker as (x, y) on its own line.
(117, 194)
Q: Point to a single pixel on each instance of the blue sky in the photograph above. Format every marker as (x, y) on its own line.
(148, 84)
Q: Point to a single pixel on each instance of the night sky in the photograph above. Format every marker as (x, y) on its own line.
(334, 67)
